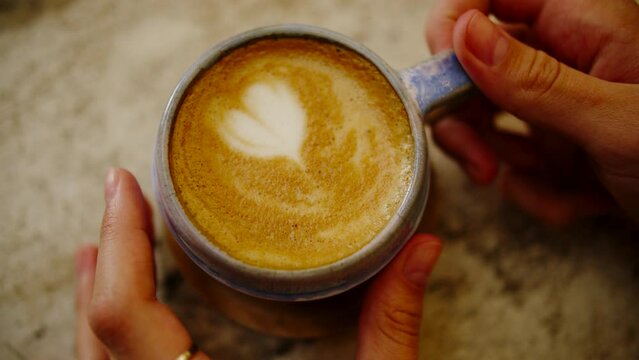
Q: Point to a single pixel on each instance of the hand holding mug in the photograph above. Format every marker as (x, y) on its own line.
(580, 98)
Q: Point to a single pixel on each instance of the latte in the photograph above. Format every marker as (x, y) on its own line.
(291, 153)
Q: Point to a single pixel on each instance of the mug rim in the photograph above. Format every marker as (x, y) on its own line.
(295, 284)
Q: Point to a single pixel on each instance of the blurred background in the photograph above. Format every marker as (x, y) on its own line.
(82, 88)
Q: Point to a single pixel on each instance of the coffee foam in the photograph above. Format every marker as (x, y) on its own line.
(291, 153)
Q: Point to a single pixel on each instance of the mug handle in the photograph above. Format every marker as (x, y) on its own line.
(438, 85)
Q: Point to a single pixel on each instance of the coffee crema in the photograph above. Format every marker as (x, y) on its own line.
(291, 153)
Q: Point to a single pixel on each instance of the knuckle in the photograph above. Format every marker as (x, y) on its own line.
(108, 319)
(399, 325)
(540, 75)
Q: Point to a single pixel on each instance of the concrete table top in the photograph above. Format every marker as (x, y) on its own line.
(82, 87)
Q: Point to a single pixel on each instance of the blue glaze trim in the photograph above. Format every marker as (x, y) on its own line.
(437, 84)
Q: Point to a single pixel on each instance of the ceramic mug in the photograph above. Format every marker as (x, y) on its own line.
(427, 90)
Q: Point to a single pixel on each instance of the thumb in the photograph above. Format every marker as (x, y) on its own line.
(392, 310)
(533, 85)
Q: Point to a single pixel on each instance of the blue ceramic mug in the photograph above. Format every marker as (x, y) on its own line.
(427, 91)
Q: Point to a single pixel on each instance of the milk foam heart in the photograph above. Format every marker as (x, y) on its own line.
(272, 124)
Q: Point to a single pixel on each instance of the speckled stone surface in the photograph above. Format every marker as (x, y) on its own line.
(82, 88)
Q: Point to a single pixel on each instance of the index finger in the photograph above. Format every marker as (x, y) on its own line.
(442, 19)
(444, 15)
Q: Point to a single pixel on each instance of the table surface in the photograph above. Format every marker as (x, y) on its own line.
(83, 87)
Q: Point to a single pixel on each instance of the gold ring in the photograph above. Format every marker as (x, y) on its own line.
(188, 353)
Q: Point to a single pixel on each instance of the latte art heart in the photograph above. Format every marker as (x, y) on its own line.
(273, 124)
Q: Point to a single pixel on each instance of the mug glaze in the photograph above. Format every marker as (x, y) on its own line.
(426, 90)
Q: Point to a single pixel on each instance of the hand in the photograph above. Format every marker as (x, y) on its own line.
(119, 316)
(581, 102)
(117, 312)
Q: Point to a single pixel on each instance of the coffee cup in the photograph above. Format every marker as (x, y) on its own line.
(298, 102)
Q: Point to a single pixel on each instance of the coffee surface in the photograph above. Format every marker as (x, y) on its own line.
(291, 153)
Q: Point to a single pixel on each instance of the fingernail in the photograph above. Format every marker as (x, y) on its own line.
(420, 262)
(111, 184)
(485, 40)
